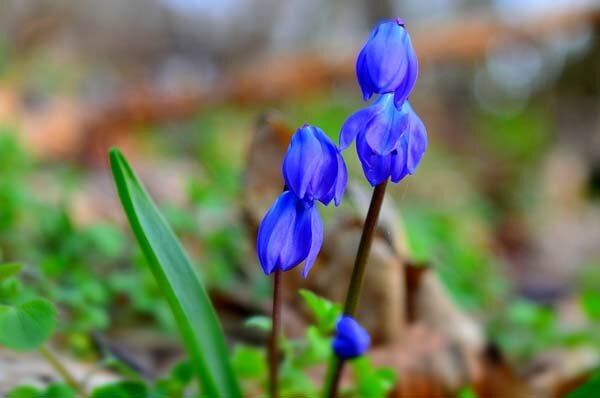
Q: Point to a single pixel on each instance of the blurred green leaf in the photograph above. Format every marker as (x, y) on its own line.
(466, 392)
(590, 389)
(371, 382)
(9, 269)
(26, 326)
(25, 391)
(259, 322)
(590, 302)
(58, 390)
(123, 389)
(179, 282)
(249, 362)
(326, 312)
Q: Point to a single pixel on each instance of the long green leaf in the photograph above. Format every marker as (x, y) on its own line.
(177, 279)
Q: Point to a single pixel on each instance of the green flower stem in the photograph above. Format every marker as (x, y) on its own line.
(275, 330)
(62, 371)
(334, 371)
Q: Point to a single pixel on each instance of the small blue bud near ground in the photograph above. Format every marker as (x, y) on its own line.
(351, 339)
(387, 63)
(291, 232)
(313, 167)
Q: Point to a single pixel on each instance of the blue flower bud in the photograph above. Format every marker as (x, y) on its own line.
(387, 63)
(313, 168)
(351, 340)
(381, 124)
(290, 232)
(407, 150)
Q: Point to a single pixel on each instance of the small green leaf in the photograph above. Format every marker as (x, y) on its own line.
(466, 392)
(179, 282)
(249, 362)
(371, 382)
(259, 322)
(326, 312)
(123, 389)
(58, 390)
(9, 269)
(26, 326)
(589, 389)
(590, 302)
(25, 391)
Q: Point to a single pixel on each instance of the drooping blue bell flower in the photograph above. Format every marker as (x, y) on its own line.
(291, 232)
(351, 340)
(313, 168)
(408, 149)
(387, 63)
(381, 124)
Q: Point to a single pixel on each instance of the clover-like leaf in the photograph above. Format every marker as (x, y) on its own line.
(28, 325)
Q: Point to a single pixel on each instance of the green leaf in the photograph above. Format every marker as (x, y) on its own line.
(590, 302)
(26, 326)
(259, 322)
(58, 390)
(371, 382)
(326, 312)
(249, 362)
(9, 269)
(123, 389)
(589, 389)
(179, 282)
(24, 391)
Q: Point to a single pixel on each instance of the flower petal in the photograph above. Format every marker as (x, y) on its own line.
(355, 124)
(385, 129)
(316, 240)
(351, 339)
(301, 160)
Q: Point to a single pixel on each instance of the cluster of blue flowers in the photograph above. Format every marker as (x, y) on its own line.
(390, 137)
(390, 142)
(292, 232)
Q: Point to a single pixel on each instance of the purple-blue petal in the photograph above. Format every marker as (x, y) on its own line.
(417, 141)
(355, 124)
(351, 339)
(377, 168)
(316, 240)
(384, 130)
(302, 158)
(387, 62)
(284, 234)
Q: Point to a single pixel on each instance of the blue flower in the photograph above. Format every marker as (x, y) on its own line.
(405, 134)
(290, 232)
(387, 63)
(381, 124)
(351, 340)
(313, 168)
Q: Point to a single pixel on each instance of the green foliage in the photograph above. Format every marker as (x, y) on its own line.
(371, 382)
(179, 282)
(26, 326)
(326, 312)
(124, 389)
(9, 269)
(24, 391)
(53, 390)
(588, 390)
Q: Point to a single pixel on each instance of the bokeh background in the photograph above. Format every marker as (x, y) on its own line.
(505, 205)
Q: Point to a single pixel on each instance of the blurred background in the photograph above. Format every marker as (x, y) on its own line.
(505, 206)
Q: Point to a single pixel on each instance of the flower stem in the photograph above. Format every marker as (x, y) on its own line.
(358, 272)
(62, 370)
(275, 327)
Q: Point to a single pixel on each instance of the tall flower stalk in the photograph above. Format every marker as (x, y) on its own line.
(292, 231)
(390, 142)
